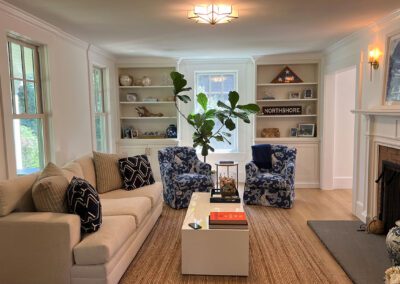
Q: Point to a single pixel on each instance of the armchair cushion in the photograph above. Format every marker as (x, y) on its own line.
(262, 156)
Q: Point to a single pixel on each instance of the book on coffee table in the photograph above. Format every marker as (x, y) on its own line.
(227, 218)
(234, 227)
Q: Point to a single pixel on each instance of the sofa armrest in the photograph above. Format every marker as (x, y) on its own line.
(251, 170)
(39, 244)
(202, 168)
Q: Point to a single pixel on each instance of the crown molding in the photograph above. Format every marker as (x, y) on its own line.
(20, 14)
(99, 51)
(395, 15)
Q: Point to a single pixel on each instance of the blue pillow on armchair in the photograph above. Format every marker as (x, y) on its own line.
(262, 156)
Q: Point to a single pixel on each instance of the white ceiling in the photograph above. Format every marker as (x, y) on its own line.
(160, 27)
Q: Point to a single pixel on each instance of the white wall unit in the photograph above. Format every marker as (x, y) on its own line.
(307, 67)
(160, 89)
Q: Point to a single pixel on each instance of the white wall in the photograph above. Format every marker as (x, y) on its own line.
(66, 86)
(345, 96)
(246, 83)
(353, 51)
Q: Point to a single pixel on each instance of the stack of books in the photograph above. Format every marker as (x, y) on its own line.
(228, 220)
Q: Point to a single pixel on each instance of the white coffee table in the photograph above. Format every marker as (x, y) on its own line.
(211, 251)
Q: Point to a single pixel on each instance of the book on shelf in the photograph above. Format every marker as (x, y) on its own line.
(227, 227)
(227, 218)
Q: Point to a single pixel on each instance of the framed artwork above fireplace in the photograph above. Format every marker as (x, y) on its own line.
(392, 87)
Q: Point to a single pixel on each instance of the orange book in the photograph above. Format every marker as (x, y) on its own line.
(228, 218)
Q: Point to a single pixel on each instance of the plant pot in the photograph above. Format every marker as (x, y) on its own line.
(393, 245)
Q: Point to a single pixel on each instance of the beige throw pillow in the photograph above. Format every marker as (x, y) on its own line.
(49, 190)
(108, 177)
(49, 194)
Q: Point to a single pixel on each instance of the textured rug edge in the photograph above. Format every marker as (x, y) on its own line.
(309, 223)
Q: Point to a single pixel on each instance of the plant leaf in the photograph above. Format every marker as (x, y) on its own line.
(242, 115)
(210, 113)
(179, 82)
(249, 108)
(204, 150)
(233, 98)
(184, 98)
(230, 124)
(202, 100)
(219, 138)
(223, 105)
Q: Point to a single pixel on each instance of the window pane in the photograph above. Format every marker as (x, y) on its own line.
(101, 142)
(16, 61)
(28, 140)
(98, 89)
(19, 96)
(28, 57)
(31, 96)
(229, 83)
(220, 85)
(203, 84)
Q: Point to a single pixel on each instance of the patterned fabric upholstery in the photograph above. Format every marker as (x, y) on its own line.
(182, 173)
(274, 187)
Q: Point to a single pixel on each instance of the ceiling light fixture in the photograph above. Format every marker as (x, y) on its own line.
(213, 14)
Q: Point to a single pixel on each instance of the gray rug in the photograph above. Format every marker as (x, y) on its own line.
(362, 256)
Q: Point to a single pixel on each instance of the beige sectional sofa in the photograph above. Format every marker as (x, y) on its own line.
(42, 247)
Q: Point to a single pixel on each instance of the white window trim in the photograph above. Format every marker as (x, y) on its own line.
(9, 116)
(106, 104)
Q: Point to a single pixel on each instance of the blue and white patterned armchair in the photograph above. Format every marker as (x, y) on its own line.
(273, 187)
(182, 173)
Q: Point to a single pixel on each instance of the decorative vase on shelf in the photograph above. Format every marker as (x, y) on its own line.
(171, 131)
(393, 244)
(146, 81)
(125, 80)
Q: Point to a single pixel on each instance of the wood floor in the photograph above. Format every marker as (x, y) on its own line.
(283, 249)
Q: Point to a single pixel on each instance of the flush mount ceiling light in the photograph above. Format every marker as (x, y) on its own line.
(213, 14)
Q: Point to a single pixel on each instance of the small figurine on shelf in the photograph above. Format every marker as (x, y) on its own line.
(144, 112)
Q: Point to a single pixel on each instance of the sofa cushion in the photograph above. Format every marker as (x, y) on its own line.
(16, 194)
(136, 172)
(87, 165)
(137, 207)
(108, 177)
(153, 192)
(83, 200)
(50, 189)
(100, 247)
(49, 194)
(73, 169)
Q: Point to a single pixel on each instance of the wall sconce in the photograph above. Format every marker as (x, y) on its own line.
(373, 60)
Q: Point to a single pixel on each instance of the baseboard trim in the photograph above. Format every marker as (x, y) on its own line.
(343, 182)
(307, 185)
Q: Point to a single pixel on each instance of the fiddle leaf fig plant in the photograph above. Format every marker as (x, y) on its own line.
(204, 122)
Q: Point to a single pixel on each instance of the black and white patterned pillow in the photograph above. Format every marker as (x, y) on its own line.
(136, 172)
(83, 200)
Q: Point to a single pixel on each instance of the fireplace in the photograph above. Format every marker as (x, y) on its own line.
(389, 186)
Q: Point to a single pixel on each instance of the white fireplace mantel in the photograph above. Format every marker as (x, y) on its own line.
(377, 112)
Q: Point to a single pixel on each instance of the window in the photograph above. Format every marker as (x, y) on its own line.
(217, 85)
(100, 110)
(27, 107)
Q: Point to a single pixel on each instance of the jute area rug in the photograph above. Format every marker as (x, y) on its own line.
(279, 253)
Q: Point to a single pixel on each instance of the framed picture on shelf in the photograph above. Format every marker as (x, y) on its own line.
(392, 94)
(294, 95)
(293, 132)
(306, 130)
(308, 94)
